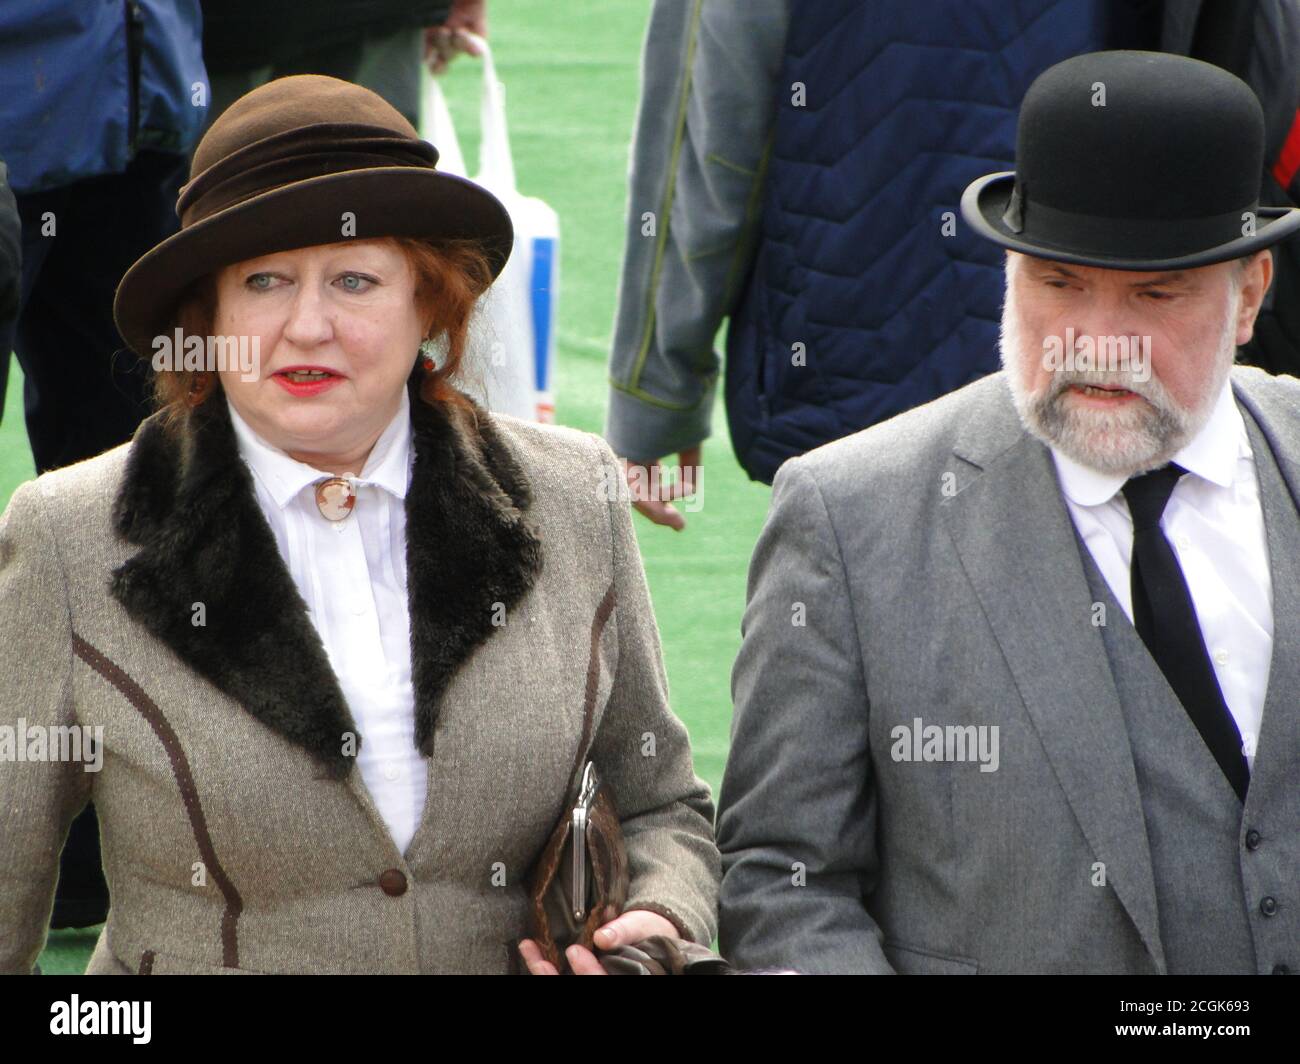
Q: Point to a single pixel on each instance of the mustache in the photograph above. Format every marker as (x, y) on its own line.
(1149, 389)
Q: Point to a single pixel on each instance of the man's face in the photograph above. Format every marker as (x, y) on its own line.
(1120, 369)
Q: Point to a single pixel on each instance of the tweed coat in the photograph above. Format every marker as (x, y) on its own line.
(237, 834)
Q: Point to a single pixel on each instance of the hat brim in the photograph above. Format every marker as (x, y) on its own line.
(384, 201)
(985, 202)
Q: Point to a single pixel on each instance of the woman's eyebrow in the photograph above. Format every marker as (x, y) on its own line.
(333, 265)
(353, 262)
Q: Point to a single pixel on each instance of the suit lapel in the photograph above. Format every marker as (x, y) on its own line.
(1273, 427)
(1014, 535)
(187, 503)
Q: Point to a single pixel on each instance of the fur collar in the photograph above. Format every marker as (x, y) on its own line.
(187, 502)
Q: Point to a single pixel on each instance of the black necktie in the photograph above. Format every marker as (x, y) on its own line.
(1165, 618)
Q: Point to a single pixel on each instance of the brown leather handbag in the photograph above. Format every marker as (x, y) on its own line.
(580, 881)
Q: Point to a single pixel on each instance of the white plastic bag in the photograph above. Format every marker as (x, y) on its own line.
(512, 339)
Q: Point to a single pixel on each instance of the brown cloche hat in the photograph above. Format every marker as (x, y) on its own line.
(278, 169)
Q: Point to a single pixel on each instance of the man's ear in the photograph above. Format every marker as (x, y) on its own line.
(1256, 277)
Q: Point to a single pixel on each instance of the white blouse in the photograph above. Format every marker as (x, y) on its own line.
(352, 576)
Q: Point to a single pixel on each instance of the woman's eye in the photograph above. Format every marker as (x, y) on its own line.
(255, 281)
(354, 282)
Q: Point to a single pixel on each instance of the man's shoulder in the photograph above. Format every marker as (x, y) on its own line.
(915, 443)
(1278, 395)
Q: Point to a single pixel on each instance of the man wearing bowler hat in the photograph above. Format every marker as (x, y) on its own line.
(1019, 688)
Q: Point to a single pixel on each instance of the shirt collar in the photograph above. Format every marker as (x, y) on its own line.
(1211, 454)
(387, 467)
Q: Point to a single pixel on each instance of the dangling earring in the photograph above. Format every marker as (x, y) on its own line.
(427, 353)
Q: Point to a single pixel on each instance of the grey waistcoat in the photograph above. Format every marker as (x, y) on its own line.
(1228, 898)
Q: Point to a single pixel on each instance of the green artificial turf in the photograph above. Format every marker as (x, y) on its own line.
(15, 454)
(572, 85)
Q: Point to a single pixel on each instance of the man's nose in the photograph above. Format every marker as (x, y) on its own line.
(1108, 315)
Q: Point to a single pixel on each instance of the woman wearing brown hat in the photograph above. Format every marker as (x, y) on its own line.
(327, 643)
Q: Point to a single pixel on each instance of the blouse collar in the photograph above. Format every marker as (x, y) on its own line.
(388, 465)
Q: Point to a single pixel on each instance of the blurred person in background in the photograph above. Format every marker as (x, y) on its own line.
(11, 273)
(796, 170)
(379, 44)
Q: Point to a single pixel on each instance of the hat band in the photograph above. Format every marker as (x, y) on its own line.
(296, 155)
(1130, 238)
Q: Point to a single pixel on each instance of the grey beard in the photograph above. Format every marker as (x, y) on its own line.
(1147, 442)
(1132, 440)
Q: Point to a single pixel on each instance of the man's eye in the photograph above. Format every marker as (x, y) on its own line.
(1057, 283)
(362, 284)
(1156, 295)
(255, 281)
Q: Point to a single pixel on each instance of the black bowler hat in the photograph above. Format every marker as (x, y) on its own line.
(1133, 161)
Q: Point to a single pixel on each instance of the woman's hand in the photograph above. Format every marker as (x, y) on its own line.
(633, 926)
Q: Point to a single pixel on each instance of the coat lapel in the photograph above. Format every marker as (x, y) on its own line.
(472, 554)
(1010, 526)
(187, 503)
(1273, 423)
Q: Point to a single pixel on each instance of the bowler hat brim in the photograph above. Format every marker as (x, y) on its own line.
(382, 202)
(985, 202)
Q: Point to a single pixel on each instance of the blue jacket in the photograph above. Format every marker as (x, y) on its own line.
(867, 295)
(84, 84)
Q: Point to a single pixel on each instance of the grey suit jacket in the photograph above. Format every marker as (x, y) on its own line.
(924, 572)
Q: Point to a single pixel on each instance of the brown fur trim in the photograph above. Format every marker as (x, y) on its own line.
(187, 502)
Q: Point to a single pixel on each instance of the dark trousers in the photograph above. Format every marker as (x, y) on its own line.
(387, 63)
(84, 392)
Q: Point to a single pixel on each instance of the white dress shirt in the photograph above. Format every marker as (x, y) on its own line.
(352, 576)
(1215, 524)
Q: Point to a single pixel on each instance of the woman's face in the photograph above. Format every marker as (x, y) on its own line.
(337, 332)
